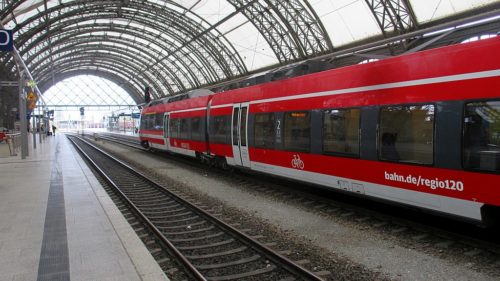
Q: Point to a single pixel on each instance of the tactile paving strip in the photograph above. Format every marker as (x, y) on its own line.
(54, 259)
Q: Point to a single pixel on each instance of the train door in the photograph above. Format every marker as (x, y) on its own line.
(239, 134)
(166, 131)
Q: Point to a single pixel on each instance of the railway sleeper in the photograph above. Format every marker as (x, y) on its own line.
(219, 254)
(227, 264)
(251, 273)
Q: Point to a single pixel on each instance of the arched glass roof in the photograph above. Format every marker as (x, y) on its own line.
(82, 90)
(175, 46)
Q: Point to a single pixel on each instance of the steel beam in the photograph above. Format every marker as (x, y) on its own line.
(218, 58)
(9, 83)
(393, 16)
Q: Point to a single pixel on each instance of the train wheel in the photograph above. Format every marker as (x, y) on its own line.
(491, 216)
(145, 144)
(226, 167)
(222, 163)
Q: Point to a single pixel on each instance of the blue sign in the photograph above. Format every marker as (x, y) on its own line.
(6, 40)
(136, 115)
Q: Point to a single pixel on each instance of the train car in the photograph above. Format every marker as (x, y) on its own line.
(177, 124)
(421, 129)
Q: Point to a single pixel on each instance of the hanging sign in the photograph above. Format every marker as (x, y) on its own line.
(6, 40)
(31, 105)
(31, 99)
(31, 96)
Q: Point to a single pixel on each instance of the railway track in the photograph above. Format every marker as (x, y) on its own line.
(205, 247)
(409, 228)
(129, 141)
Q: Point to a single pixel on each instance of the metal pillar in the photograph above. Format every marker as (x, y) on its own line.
(24, 75)
(22, 117)
(39, 126)
(33, 132)
(44, 123)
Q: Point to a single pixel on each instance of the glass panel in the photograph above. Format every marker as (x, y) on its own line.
(184, 129)
(195, 128)
(407, 134)
(430, 10)
(347, 21)
(237, 30)
(341, 131)
(235, 125)
(150, 122)
(143, 122)
(158, 121)
(482, 136)
(264, 130)
(165, 129)
(221, 125)
(298, 131)
(174, 128)
(88, 90)
(243, 126)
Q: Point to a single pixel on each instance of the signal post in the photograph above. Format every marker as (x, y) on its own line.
(82, 115)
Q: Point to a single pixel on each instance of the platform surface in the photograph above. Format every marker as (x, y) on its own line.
(57, 222)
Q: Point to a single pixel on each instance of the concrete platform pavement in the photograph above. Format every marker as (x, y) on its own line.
(57, 223)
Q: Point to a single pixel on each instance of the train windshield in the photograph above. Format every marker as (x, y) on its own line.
(481, 143)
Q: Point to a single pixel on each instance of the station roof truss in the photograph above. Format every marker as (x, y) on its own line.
(176, 46)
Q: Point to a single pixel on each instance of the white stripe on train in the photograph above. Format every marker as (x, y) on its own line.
(454, 206)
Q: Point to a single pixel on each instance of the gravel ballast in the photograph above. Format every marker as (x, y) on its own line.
(373, 255)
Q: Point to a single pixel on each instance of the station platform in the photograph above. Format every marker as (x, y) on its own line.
(58, 223)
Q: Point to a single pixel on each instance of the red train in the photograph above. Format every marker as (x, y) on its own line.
(421, 129)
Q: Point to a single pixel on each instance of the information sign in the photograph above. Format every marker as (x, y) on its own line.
(6, 40)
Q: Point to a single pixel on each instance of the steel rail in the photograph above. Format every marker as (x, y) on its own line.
(122, 141)
(268, 252)
(479, 240)
(134, 208)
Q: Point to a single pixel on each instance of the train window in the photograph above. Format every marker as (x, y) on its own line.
(149, 120)
(221, 129)
(297, 127)
(143, 124)
(196, 128)
(158, 123)
(184, 129)
(406, 134)
(481, 143)
(243, 126)
(235, 125)
(174, 127)
(264, 130)
(341, 131)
